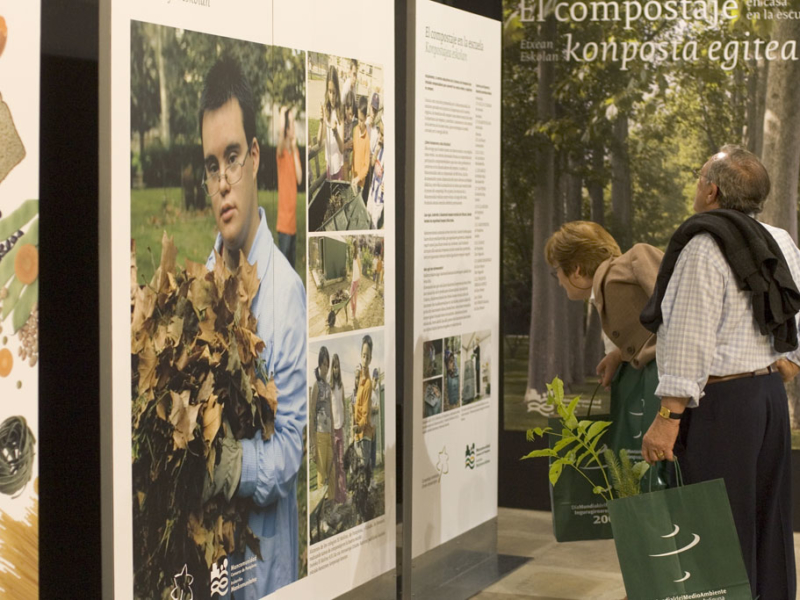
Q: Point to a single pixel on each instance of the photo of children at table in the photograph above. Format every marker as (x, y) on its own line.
(348, 155)
(346, 473)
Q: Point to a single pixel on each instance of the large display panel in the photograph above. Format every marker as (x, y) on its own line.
(456, 246)
(251, 200)
(607, 110)
(19, 296)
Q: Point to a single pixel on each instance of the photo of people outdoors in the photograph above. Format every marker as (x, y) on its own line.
(219, 394)
(347, 432)
(345, 283)
(477, 366)
(346, 149)
(431, 397)
(452, 371)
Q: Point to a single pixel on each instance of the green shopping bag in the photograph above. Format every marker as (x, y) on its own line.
(679, 541)
(578, 513)
(634, 405)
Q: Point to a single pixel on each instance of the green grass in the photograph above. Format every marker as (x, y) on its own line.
(156, 210)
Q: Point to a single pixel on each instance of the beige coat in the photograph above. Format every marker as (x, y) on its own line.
(622, 286)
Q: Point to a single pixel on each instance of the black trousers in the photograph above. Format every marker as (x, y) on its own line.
(741, 433)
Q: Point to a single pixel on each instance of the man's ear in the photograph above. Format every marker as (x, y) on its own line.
(255, 152)
(711, 199)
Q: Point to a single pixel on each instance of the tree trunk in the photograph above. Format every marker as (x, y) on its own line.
(593, 350)
(621, 188)
(781, 156)
(561, 306)
(756, 94)
(542, 360)
(781, 152)
(575, 310)
(162, 87)
(594, 185)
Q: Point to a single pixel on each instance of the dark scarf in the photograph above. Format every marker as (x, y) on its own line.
(758, 266)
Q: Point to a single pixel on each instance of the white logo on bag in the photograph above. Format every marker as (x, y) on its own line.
(692, 544)
(219, 578)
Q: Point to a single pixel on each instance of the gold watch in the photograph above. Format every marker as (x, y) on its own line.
(668, 414)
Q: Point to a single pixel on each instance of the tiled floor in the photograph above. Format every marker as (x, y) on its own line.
(570, 571)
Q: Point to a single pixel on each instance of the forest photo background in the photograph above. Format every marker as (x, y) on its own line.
(590, 135)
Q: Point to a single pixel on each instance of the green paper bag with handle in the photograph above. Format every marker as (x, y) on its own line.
(679, 543)
(578, 513)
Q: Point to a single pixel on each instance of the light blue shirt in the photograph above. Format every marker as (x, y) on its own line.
(709, 327)
(269, 468)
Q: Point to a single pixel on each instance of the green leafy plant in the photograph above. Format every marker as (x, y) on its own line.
(626, 477)
(579, 448)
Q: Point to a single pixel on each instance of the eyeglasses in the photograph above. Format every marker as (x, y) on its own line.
(232, 174)
(696, 171)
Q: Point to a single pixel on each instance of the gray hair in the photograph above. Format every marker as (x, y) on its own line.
(742, 180)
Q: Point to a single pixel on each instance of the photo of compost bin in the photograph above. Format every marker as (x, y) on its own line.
(452, 372)
(345, 283)
(346, 152)
(476, 370)
(431, 397)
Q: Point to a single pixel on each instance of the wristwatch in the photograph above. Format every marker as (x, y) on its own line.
(668, 414)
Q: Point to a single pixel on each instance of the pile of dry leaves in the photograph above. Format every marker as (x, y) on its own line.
(196, 371)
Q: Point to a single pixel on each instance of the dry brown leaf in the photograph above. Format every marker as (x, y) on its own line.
(207, 327)
(183, 417)
(169, 254)
(144, 302)
(147, 369)
(175, 330)
(248, 278)
(272, 395)
(212, 419)
(161, 408)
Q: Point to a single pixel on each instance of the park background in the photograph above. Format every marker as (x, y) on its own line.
(589, 140)
(168, 69)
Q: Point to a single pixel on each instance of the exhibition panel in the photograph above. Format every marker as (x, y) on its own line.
(19, 297)
(250, 199)
(456, 236)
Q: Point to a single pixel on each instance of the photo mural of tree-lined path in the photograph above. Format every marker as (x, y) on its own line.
(593, 133)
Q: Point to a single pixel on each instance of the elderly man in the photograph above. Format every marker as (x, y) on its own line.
(724, 309)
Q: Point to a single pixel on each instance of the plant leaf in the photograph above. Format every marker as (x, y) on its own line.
(555, 471)
(541, 453)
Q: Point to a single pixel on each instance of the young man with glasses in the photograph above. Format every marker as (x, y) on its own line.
(263, 470)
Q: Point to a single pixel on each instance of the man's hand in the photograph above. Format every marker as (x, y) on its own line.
(659, 440)
(608, 366)
(787, 369)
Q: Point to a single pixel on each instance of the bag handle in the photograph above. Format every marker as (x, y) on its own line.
(591, 402)
(678, 476)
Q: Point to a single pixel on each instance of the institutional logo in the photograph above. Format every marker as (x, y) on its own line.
(219, 578)
(182, 588)
(689, 546)
(469, 459)
(443, 466)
